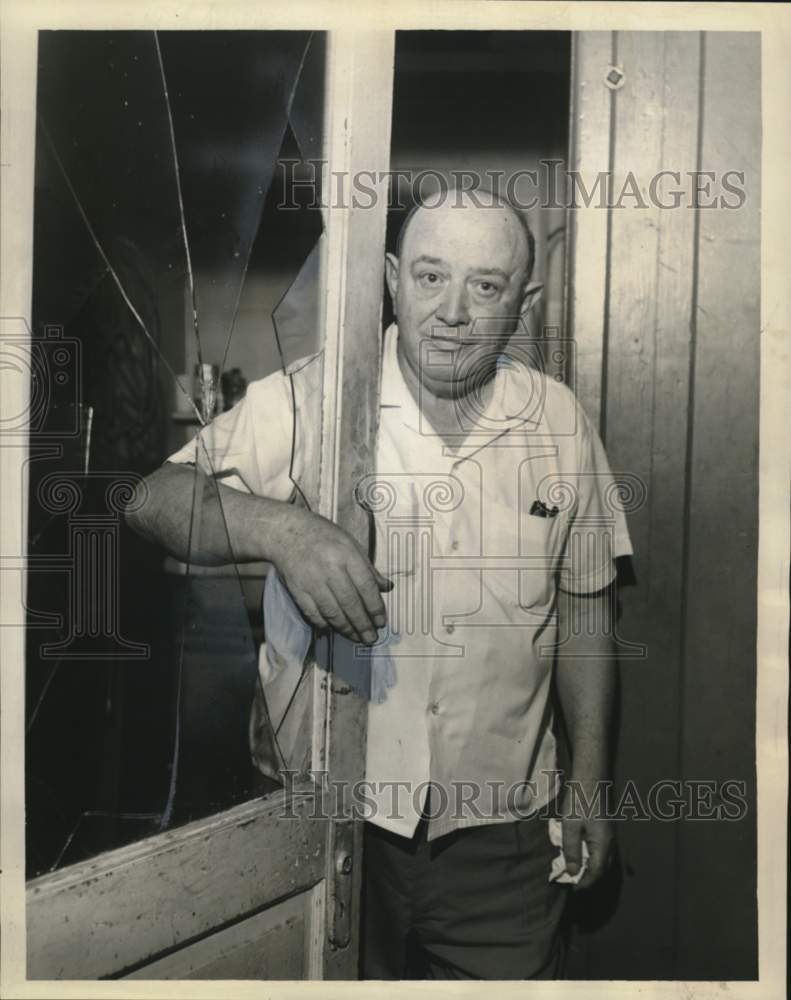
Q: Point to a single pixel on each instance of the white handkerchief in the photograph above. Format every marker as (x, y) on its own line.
(369, 670)
(558, 872)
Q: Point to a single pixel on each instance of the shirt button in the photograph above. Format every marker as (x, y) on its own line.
(450, 629)
(434, 708)
(454, 545)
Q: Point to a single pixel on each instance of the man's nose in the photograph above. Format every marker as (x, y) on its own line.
(453, 309)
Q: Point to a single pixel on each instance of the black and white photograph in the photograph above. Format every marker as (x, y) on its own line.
(395, 498)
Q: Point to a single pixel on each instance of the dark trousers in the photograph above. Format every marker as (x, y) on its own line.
(472, 904)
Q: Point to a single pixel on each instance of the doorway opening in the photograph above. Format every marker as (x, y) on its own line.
(488, 110)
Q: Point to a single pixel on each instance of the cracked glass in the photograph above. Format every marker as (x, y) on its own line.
(176, 260)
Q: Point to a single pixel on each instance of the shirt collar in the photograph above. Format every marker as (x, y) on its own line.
(393, 387)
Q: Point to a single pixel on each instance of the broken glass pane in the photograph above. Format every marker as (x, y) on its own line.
(160, 242)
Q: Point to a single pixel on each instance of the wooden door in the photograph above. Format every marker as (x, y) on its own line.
(270, 888)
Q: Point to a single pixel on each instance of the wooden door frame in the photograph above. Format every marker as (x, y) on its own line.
(360, 65)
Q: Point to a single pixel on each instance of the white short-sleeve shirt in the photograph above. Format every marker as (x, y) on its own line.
(476, 570)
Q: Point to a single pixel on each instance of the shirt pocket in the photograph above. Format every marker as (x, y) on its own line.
(539, 545)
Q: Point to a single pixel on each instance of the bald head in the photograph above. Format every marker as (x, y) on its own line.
(473, 212)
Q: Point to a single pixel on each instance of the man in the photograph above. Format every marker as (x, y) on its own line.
(496, 538)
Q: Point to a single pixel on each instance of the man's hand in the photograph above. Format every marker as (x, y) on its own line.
(328, 574)
(595, 830)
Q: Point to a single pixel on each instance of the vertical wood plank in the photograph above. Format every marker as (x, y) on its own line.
(18, 42)
(718, 738)
(360, 66)
(649, 308)
(588, 226)
(633, 354)
(313, 968)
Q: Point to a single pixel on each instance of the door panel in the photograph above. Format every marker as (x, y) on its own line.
(104, 916)
(274, 944)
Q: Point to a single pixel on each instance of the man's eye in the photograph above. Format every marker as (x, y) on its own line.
(429, 279)
(487, 289)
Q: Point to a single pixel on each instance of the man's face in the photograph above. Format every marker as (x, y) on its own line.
(459, 289)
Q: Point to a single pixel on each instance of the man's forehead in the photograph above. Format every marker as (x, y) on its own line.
(460, 230)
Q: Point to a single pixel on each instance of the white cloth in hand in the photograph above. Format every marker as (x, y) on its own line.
(369, 670)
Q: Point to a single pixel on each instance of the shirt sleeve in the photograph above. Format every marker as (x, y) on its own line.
(597, 533)
(249, 447)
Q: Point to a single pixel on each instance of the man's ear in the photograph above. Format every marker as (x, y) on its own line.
(531, 296)
(391, 275)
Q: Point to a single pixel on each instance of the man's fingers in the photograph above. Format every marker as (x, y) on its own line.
(572, 845)
(349, 599)
(588, 879)
(382, 582)
(309, 610)
(364, 578)
(599, 847)
(332, 611)
(600, 844)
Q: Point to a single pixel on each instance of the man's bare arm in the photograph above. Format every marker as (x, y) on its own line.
(204, 522)
(200, 520)
(586, 681)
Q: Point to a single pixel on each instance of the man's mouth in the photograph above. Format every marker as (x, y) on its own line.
(452, 342)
